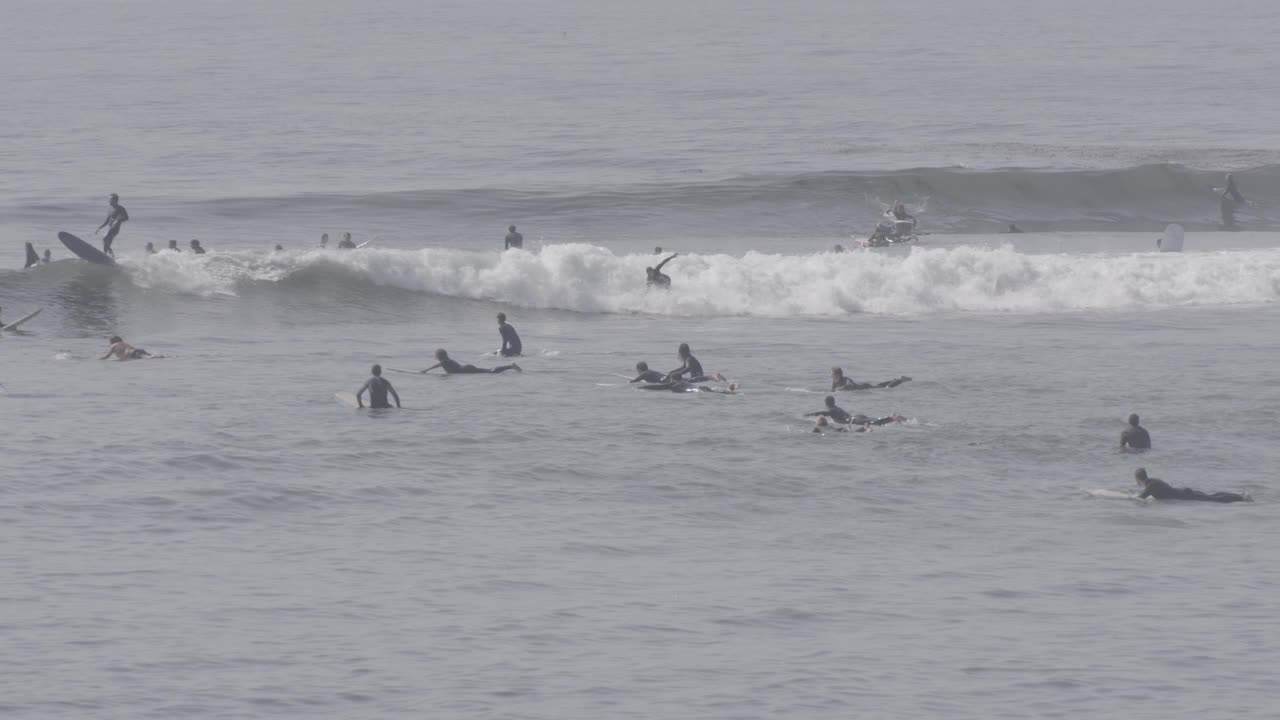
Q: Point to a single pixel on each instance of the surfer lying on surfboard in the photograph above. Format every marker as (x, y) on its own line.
(124, 351)
(453, 367)
(840, 415)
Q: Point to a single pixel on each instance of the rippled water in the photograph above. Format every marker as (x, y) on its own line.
(211, 535)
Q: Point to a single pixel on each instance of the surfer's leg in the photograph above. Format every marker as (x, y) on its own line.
(1225, 497)
(108, 239)
(504, 368)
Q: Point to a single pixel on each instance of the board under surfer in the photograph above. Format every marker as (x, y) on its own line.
(124, 351)
(378, 388)
(453, 367)
(116, 217)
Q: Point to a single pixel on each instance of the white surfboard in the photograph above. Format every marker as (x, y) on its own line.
(1110, 494)
(14, 325)
(347, 399)
(366, 243)
(1172, 240)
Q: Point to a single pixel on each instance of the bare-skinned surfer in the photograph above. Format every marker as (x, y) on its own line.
(511, 346)
(655, 276)
(1135, 436)
(124, 351)
(840, 382)
(378, 388)
(116, 217)
(1161, 490)
(453, 367)
(346, 243)
(513, 239)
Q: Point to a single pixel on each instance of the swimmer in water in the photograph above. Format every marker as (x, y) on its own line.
(48, 256)
(1161, 490)
(195, 247)
(511, 346)
(646, 375)
(452, 367)
(124, 351)
(378, 388)
(691, 369)
(279, 247)
(173, 245)
(656, 276)
(1135, 436)
(840, 382)
(151, 248)
(347, 243)
(513, 239)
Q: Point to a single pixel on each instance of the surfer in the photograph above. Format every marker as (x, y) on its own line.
(33, 258)
(1135, 436)
(646, 375)
(1013, 229)
(116, 217)
(656, 276)
(882, 235)
(378, 388)
(151, 248)
(657, 250)
(511, 346)
(124, 351)
(1161, 490)
(1231, 198)
(452, 367)
(840, 382)
(513, 239)
(195, 247)
(173, 245)
(324, 241)
(48, 256)
(822, 425)
(346, 243)
(691, 369)
(838, 248)
(840, 415)
(279, 247)
(900, 214)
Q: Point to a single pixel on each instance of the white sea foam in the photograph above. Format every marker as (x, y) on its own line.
(588, 278)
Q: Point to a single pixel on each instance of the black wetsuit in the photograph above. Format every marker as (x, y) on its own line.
(691, 368)
(847, 384)
(1135, 437)
(453, 367)
(347, 245)
(197, 250)
(511, 346)
(117, 217)
(650, 376)
(1162, 490)
(377, 387)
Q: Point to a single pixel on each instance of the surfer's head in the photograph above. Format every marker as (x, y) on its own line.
(114, 198)
(830, 401)
(838, 248)
(1133, 419)
(173, 244)
(115, 339)
(1140, 476)
(511, 228)
(683, 351)
(346, 236)
(657, 250)
(195, 243)
(376, 370)
(442, 355)
(836, 373)
(502, 318)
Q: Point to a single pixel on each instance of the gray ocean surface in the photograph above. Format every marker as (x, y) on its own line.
(213, 536)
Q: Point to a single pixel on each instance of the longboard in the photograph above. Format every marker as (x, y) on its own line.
(85, 250)
(366, 243)
(346, 399)
(14, 325)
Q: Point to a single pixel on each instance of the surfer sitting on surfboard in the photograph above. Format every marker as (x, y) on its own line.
(124, 351)
(511, 346)
(116, 217)
(378, 388)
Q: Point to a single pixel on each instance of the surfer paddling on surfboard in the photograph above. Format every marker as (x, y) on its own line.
(378, 388)
(452, 367)
(124, 351)
(1161, 490)
(116, 217)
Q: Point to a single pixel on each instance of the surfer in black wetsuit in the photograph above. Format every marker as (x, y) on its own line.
(452, 367)
(839, 415)
(151, 248)
(173, 245)
(116, 217)
(656, 276)
(691, 369)
(347, 243)
(33, 258)
(1231, 199)
(1135, 436)
(513, 239)
(900, 213)
(511, 346)
(1014, 229)
(840, 382)
(378, 388)
(195, 247)
(646, 375)
(1161, 490)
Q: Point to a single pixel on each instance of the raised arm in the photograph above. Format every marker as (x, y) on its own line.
(664, 262)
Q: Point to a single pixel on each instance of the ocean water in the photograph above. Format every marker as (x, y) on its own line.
(212, 535)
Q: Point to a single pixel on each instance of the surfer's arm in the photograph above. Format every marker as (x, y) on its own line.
(664, 262)
(393, 392)
(637, 379)
(1144, 494)
(816, 414)
(433, 367)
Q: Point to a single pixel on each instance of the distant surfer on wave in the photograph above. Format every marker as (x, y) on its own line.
(195, 247)
(347, 243)
(655, 276)
(513, 239)
(1231, 199)
(452, 367)
(1135, 436)
(173, 245)
(116, 217)
(1161, 490)
(511, 346)
(378, 388)
(48, 256)
(124, 351)
(840, 382)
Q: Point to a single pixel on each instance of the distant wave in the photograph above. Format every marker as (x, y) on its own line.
(591, 279)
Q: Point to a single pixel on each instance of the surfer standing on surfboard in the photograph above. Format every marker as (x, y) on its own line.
(116, 217)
